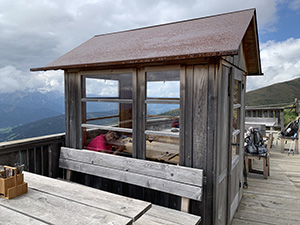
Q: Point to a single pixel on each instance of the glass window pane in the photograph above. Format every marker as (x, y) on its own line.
(162, 111)
(163, 144)
(237, 92)
(109, 114)
(112, 142)
(109, 85)
(163, 84)
(236, 119)
(235, 144)
(107, 110)
(102, 88)
(162, 148)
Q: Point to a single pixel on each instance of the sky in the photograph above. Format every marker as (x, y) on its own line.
(33, 33)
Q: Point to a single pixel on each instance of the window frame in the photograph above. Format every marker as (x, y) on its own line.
(93, 74)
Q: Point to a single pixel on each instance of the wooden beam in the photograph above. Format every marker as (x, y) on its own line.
(117, 100)
(102, 118)
(162, 133)
(158, 101)
(139, 113)
(186, 107)
(126, 130)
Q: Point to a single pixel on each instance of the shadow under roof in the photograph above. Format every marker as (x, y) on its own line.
(219, 35)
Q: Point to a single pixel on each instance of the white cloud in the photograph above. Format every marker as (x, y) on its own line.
(294, 4)
(280, 62)
(13, 79)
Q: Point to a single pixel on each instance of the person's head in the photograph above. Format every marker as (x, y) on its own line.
(112, 136)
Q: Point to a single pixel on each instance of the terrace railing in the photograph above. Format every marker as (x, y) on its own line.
(267, 112)
(39, 155)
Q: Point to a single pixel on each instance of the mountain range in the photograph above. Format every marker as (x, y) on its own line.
(31, 114)
(20, 107)
(279, 93)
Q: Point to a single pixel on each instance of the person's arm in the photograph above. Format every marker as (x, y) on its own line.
(118, 148)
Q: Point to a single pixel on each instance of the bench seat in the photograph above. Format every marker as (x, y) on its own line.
(158, 215)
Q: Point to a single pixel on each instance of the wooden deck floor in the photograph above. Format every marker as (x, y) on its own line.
(275, 200)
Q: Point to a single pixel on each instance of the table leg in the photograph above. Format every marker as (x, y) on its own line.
(282, 145)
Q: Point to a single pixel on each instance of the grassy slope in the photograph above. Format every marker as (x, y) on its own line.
(277, 93)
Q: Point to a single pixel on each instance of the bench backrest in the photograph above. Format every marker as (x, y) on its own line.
(178, 180)
(262, 120)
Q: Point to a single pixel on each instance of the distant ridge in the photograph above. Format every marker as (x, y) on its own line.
(284, 92)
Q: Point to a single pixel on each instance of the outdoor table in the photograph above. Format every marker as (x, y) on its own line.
(267, 124)
(158, 151)
(54, 201)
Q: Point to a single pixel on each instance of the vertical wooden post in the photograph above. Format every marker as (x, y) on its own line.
(186, 120)
(73, 110)
(139, 114)
(185, 204)
(53, 155)
(83, 112)
(282, 119)
(203, 135)
(282, 145)
(297, 105)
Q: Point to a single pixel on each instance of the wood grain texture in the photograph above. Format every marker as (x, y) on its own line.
(128, 207)
(181, 181)
(161, 215)
(53, 204)
(155, 169)
(171, 187)
(200, 103)
(275, 200)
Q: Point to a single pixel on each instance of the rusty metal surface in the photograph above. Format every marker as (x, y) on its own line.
(204, 37)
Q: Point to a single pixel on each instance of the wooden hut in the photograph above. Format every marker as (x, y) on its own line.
(197, 123)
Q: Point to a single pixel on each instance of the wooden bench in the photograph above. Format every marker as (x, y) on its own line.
(295, 145)
(261, 123)
(265, 160)
(158, 215)
(177, 180)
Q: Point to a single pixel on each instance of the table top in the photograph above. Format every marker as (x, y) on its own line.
(267, 124)
(54, 201)
(159, 151)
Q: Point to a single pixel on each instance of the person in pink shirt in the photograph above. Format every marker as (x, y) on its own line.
(106, 143)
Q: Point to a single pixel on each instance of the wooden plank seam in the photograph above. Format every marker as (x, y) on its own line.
(125, 174)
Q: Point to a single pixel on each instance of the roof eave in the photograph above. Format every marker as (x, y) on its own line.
(138, 61)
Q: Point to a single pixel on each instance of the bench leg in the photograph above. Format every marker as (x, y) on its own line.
(250, 163)
(185, 204)
(268, 158)
(265, 166)
(68, 175)
(247, 165)
(282, 145)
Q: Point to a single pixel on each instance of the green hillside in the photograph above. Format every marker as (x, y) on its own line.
(285, 92)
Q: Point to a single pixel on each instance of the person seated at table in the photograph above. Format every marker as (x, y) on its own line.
(107, 143)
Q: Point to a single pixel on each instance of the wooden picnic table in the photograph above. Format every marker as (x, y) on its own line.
(54, 201)
(158, 151)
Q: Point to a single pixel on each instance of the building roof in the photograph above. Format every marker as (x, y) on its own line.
(219, 35)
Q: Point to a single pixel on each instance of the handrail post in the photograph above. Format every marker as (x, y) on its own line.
(297, 105)
(53, 151)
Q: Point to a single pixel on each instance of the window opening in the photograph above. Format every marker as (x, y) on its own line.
(163, 116)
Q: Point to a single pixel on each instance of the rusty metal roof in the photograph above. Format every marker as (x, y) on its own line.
(218, 35)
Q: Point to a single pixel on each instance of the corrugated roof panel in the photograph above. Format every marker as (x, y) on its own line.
(208, 36)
